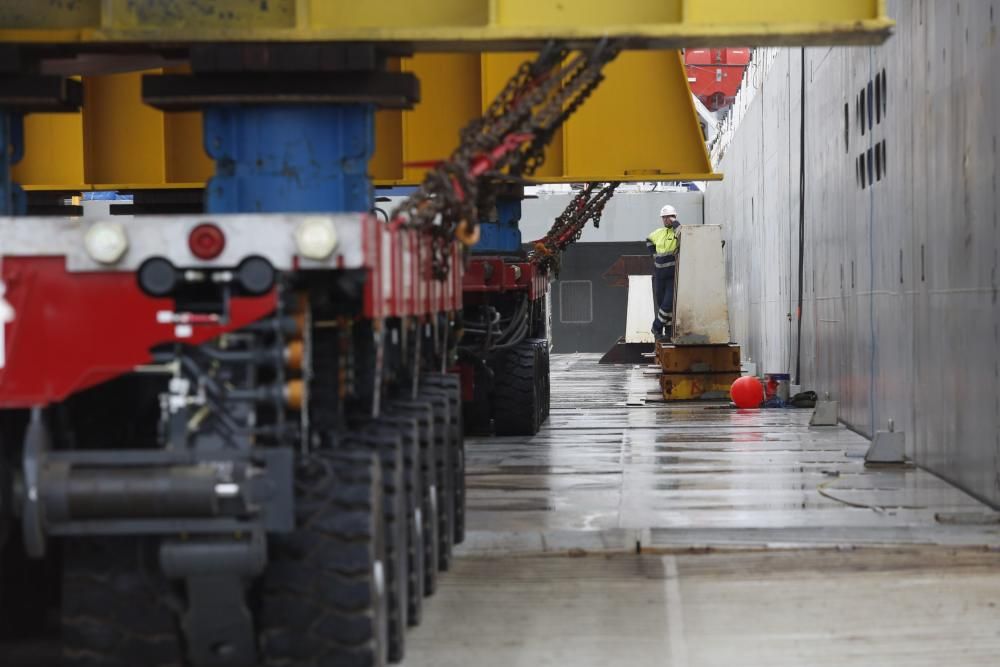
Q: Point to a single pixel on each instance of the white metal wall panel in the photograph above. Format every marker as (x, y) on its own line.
(640, 311)
(701, 315)
(901, 318)
(629, 216)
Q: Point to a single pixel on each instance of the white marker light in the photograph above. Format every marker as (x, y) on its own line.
(106, 242)
(227, 490)
(316, 238)
(6, 310)
(6, 315)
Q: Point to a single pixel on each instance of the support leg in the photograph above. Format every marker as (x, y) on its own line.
(12, 200)
(272, 159)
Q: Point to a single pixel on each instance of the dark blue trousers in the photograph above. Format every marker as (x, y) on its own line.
(663, 299)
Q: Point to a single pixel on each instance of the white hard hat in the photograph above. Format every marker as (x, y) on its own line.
(668, 210)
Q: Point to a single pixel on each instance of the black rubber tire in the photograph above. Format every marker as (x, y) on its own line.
(423, 412)
(477, 409)
(322, 600)
(408, 430)
(453, 384)
(439, 400)
(116, 609)
(29, 587)
(517, 399)
(544, 387)
(477, 416)
(546, 380)
(387, 444)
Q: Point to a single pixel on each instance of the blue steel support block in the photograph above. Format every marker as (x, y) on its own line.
(12, 199)
(502, 235)
(495, 238)
(290, 159)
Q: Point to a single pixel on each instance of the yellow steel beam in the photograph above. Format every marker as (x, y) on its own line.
(450, 25)
(115, 143)
(639, 125)
(185, 160)
(496, 71)
(450, 98)
(54, 156)
(455, 88)
(387, 161)
(122, 140)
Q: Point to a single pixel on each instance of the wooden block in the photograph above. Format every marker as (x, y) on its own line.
(698, 358)
(690, 386)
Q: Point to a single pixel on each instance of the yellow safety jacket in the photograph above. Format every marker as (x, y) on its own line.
(663, 244)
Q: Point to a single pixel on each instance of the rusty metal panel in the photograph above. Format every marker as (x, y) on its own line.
(701, 309)
(627, 267)
(696, 386)
(698, 358)
(389, 15)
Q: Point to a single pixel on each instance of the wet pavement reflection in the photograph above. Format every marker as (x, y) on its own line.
(603, 474)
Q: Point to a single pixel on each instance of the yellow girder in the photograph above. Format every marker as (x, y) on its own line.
(450, 25)
(115, 143)
(638, 126)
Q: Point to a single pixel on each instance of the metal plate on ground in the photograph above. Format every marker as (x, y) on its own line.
(701, 308)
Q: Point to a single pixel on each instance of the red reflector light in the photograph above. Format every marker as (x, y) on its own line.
(206, 241)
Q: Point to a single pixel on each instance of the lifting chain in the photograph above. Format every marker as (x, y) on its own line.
(506, 143)
(568, 227)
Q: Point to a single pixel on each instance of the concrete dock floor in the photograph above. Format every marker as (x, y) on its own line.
(696, 535)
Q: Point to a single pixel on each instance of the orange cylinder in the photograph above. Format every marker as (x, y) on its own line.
(294, 352)
(295, 391)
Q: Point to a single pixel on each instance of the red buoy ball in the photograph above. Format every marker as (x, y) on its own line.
(747, 392)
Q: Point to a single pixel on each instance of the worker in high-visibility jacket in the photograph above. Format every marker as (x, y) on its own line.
(663, 244)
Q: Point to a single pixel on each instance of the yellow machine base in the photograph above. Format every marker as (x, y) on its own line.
(697, 372)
